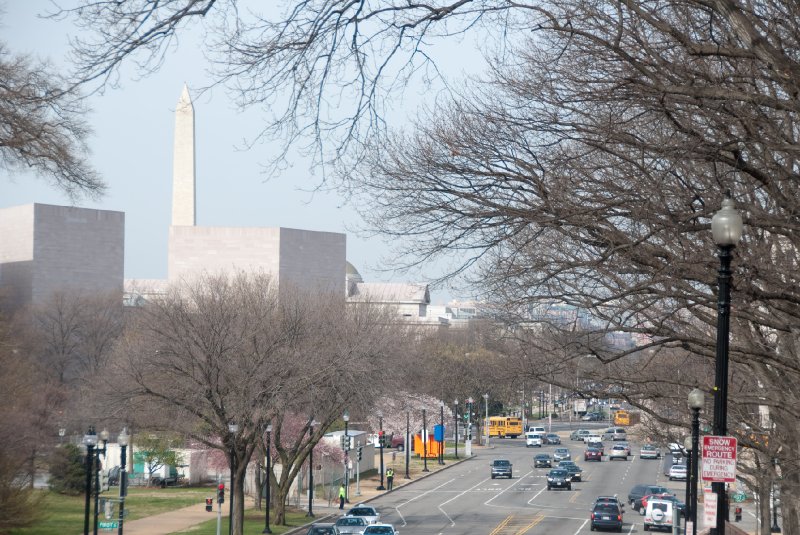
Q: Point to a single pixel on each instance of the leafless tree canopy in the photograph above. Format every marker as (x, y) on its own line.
(42, 127)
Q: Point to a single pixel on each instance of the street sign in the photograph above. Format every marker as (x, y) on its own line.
(710, 510)
(719, 459)
(114, 524)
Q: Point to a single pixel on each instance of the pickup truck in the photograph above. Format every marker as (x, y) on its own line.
(501, 468)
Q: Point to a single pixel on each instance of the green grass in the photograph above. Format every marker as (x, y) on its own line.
(64, 514)
(253, 524)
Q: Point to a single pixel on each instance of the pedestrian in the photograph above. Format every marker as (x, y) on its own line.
(389, 478)
(342, 494)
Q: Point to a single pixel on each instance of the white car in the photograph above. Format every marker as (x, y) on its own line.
(533, 439)
(658, 514)
(380, 529)
(649, 451)
(677, 471)
(618, 451)
(594, 437)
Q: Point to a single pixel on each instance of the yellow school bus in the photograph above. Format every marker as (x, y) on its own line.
(622, 417)
(505, 426)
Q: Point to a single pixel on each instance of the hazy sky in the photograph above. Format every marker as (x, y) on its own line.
(132, 149)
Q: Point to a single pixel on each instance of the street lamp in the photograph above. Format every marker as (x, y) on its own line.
(455, 418)
(775, 527)
(687, 445)
(97, 452)
(310, 512)
(232, 429)
(697, 400)
(441, 423)
(380, 446)
(267, 484)
(89, 440)
(726, 227)
(346, 418)
(122, 440)
(424, 442)
(486, 404)
(407, 442)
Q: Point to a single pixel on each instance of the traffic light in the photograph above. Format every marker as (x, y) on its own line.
(209, 504)
(381, 439)
(345, 441)
(360, 450)
(221, 493)
(103, 480)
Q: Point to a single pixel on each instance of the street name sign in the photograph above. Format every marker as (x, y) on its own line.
(719, 459)
(114, 524)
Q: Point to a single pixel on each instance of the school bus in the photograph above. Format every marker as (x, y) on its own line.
(505, 426)
(622, 417)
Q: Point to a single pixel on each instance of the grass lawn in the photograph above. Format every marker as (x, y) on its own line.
(64, 514)
(253, 524)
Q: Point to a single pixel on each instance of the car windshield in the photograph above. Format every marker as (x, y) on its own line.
(558, 473)
(606, 508)
(381, 530)
(562, 450)
(350, 521)
(543, 457)
(320, 531)
(661, 506)
(657, 490)
(502, 463)
(362, 511)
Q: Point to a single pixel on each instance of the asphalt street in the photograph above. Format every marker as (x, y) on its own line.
(465, 500)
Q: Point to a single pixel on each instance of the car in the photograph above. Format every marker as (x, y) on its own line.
(561, 454)
(669, 497)
(501, 468)
(367, 512)
(658, 515)
(610, 499)
(637, 492)
(380, 529)
(558, 478)
(618, 451)
(592, 454)
(648, 451)
(536, 429)
(606, 516)
(598, 446)
(552, 438)
(533, 439)
(579, 434)
(542, 460)
(615, 434)
(573, 469)
(593, 417)
(321, 529)
(668, 466)
(593, 437)
(677, 471)
(350, 524)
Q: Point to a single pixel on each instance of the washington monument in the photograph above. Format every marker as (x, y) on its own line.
(183, 176)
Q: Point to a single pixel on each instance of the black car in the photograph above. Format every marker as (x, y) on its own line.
(639, 491)
(558, 478)
(542, 460)
(501, 468)
(321, 529)
(572, 469)
(606, 516)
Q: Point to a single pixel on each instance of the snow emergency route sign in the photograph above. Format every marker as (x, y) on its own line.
(719, 459)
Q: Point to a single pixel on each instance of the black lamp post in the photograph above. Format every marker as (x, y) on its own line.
(407, 441)
(310, 512)
(697, 400)
(424, 442)
(267, 484)
(381, 439)
(441, 423)
(486, 406)
(775, 527)
(232, 429)
(455, 420)
(726, 227)
(122, 440)
(346, 418)
(97, 452)
(89, 440)
(687, 515)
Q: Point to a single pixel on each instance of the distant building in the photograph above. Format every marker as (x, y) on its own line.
(47, 249)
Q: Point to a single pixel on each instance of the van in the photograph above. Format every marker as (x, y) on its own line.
(658, 515)
(537, 430)
(615, 433)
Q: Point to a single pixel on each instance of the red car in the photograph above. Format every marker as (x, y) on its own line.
(592, 454)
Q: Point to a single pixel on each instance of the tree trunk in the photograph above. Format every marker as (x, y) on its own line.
(259, 480)
(279, 504)
(763, 507)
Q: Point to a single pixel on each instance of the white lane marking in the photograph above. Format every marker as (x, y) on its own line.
(582, 525)
(397, 508)
(537, 495)
(452, 523)
(507, 488)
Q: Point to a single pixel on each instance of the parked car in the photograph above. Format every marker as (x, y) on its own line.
(367, 512)
(606, 516)
(501, 468)
(639, 491)
(573, 469)
(618, 452)
(380, 529)
(615, 433)
(542, 460)
(350, 524)
(561, 454)
(552, 438)
(533, 439)
(658, 515)
(321, 529)
(579, 434)
(677, 471)
(648, 451)
(558, 478)
(592, 454)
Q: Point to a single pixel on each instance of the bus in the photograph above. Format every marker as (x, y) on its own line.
(505, 426)
(622, 417)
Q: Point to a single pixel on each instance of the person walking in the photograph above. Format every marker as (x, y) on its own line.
(342, 494)
(389, 478)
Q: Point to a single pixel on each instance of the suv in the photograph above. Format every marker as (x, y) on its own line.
(558, 478)
(533, 439)
(542, 460)
(579, 434)
(618, 451)
(606, 515)
(615, 433)
(658, 514)
(501, 468)
(639, 491)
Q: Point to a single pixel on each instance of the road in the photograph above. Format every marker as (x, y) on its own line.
(465, 500)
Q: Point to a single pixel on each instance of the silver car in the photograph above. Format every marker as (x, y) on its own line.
(561, 454)
(351, 524)
(367, 512)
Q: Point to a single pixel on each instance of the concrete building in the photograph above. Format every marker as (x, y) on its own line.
(47, 249)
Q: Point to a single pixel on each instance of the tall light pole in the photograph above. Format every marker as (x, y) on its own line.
(381, 440)
(310, 512)
(775, 527)
(89, 440)
(726, 227)
(346, 418)
(122, 440)
(687, 445)
(407, 442)
(97, 452)
(486, 405)
(232, 429)
(424, 442)
(441, 423)
(455, 418)
(267, 484)
(697, 400)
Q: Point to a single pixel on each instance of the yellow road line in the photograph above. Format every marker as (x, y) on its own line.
(502, 525)
(535, 521)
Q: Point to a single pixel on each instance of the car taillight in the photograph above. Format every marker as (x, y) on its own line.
(592, 516)
(619, 517)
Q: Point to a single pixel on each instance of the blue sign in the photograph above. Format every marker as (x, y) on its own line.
(438, 433)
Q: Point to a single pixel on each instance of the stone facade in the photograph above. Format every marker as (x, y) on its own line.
(47, 249)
